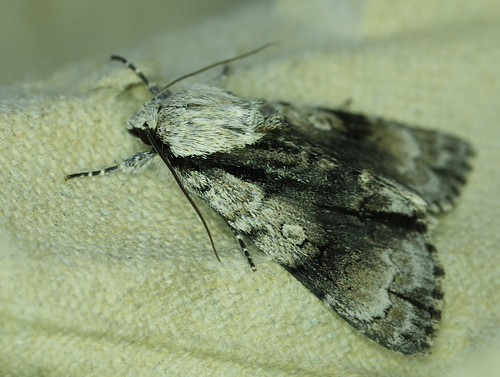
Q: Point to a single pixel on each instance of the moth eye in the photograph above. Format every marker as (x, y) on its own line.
(140, 132)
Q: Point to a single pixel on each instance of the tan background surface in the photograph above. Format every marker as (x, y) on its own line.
(115, 276)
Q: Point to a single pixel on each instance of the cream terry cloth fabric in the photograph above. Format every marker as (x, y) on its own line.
(115, 275)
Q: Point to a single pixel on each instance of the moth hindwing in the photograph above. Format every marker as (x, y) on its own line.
(338, 199)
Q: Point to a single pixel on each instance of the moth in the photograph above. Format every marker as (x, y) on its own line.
(342, 201)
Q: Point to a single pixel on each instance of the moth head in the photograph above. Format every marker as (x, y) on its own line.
(146, 117)
(201, 120)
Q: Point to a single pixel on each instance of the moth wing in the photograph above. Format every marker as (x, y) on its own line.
(382, 277)
(357, 241)
(433, 164)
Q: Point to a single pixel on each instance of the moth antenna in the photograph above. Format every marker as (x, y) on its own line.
(159, 150)
(151, 87)
(222, 62)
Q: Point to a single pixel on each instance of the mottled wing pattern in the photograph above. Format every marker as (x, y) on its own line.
(338, 199)
(433, 164)
(357, 241)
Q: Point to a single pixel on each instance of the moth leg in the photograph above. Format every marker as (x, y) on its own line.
(153, 88)
(244, 249)
(226, 70)
(345, 105)
(221, 77)
(135, 164)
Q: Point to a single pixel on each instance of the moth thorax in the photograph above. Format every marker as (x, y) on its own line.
(202, 120)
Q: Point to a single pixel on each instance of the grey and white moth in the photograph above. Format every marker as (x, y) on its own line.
(338, 199)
